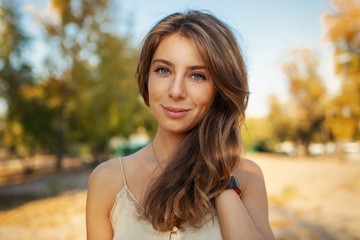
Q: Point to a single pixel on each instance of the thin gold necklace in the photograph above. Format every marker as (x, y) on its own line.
(152, 147)
(175, 229)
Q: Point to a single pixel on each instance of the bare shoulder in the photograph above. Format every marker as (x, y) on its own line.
(248, 174)
(107, 178)
(103, 185)
(108, 171)
(249, 168)
(105, 182)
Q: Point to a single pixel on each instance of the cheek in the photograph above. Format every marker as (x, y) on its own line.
(207, 97)
(152, 89)
(206, 100)
(156, 92)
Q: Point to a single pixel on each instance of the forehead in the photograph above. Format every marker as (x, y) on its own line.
(177, 47)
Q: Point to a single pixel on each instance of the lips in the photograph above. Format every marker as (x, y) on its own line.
(175, 112)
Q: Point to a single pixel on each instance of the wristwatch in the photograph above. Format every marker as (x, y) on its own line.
(233, 184)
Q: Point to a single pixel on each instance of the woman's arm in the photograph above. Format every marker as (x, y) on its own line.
(245, 217)
(100, 198)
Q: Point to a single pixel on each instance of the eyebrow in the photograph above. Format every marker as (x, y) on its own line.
(172, 65)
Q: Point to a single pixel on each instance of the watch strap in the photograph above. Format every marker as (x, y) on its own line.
(234, 184)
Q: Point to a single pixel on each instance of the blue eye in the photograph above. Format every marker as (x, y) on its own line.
(198, 76)
(162, 71)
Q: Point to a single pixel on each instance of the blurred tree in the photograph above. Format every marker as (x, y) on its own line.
(39, 116)
(108, 104)
(280, 119)
(307, 96)
(256, 134)
(73, 29)
(342, 28)
(99, 97)
(15, 72)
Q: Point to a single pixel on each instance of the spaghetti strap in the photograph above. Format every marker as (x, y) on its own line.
(122, 171)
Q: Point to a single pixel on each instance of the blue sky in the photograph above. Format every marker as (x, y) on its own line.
(267, 31)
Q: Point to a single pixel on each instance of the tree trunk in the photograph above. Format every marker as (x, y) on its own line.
(60, 140)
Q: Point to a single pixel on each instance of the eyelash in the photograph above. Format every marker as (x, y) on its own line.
(193, 75)
(157, 70)
(202, 76)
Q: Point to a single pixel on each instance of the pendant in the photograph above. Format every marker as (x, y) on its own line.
(173, 232)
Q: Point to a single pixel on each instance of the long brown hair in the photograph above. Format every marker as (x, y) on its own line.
(201, 166)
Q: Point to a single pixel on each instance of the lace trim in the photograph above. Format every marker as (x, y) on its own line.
(126, 201)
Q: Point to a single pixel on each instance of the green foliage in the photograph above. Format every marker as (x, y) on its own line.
(301, 118)
(87, 94)
(109, 96)
(280, 120)
(15, 72)
(74, 36)
(99, 69)
(257, 135)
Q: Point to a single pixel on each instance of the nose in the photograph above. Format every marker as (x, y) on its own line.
(177, 88)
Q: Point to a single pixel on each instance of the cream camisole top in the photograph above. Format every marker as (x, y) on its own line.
(128, 222)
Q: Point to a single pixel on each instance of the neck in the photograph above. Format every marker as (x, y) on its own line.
(165, 144)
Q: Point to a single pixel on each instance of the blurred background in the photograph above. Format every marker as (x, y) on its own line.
(69, 101)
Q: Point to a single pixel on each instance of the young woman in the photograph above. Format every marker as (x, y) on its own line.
(190, 182)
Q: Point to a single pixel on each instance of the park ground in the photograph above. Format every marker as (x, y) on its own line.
(315, 198)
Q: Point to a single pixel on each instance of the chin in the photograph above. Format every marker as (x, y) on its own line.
(179, 129)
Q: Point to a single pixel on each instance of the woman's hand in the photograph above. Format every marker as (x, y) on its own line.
(235, 222)
(245, 216)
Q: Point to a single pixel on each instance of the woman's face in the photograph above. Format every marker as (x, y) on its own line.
(181, 90)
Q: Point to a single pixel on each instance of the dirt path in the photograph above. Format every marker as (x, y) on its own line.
(315, 199)
(312, 199)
